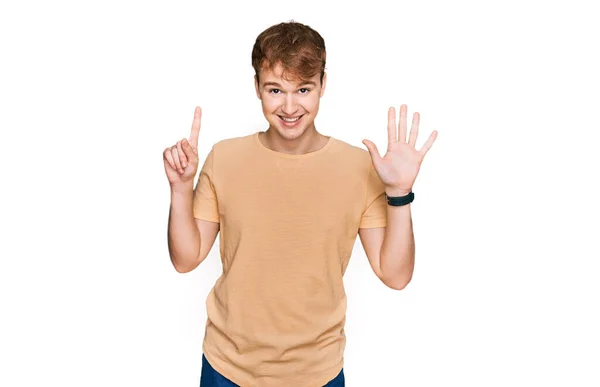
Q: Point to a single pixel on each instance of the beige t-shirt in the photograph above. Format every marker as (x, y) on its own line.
(288, 224)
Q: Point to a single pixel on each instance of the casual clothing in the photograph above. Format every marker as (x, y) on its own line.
(288, 224)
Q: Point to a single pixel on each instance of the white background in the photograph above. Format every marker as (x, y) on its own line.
(505, 290)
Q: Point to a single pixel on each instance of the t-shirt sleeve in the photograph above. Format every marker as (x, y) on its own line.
(375, 213)
(204, 204)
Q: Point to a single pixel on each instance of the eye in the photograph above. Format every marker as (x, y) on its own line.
(272, 91)
(304, 88)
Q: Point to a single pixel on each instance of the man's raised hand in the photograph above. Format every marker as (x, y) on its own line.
(181, 159)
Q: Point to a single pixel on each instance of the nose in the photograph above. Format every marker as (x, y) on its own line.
(289, 105)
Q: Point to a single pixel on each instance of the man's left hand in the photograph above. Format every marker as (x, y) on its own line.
(399, 168)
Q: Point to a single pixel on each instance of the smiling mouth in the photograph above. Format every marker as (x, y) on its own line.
(290, 119)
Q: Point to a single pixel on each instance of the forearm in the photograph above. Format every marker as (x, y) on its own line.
(397, 257)
(183, 235)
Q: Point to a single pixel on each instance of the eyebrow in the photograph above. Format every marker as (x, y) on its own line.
(300, 84)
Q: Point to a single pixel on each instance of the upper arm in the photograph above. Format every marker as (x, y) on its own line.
(208, 235)
(372, 240)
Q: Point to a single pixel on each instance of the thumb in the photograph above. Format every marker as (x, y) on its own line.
(372, 150)
(188, 150)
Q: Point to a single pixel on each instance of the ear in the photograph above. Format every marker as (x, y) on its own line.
(323, 85)
(256, 87)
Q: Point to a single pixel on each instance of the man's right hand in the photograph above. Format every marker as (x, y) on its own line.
(181, 159)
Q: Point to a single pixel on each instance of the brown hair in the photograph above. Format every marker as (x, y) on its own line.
(298, 48)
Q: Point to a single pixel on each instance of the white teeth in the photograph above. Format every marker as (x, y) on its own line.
(290, 119)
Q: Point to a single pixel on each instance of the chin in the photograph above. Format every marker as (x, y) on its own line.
(290, 133)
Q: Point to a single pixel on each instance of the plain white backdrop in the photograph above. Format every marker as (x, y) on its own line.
(505, 290)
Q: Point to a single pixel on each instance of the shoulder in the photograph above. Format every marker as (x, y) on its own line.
(233, 144)
(353, 154)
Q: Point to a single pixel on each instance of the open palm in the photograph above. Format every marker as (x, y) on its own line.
(399, 167)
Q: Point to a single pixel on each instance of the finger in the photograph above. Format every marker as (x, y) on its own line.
(402, 131)
(182, 157)
(425, 148)
(169, 157)
(373, 151)
(189, 152)
(414, 130)
(196, 127)
(176, 158)
(391, 125)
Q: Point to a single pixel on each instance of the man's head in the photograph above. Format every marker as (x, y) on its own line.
(289, 62)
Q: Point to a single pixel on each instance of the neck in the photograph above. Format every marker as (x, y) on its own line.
(307, 142)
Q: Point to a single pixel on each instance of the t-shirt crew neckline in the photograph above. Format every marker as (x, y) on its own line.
(290, 156)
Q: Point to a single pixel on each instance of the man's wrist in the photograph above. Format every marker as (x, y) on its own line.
(392, 192)
(182, 188)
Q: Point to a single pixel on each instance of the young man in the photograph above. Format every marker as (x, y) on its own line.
(288, 203)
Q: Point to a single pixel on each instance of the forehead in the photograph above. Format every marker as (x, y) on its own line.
(274, 77)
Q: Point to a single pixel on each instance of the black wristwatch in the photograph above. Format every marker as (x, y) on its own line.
(400, 200)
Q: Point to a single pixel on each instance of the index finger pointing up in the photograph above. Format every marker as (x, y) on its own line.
(195, 127)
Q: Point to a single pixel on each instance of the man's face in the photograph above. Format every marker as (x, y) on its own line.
(281, 99)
